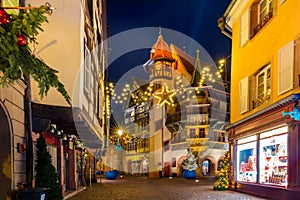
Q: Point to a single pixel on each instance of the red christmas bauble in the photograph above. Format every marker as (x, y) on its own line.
(3, 16)
(21, 40)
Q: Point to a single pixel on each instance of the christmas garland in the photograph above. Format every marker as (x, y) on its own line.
(17, 59)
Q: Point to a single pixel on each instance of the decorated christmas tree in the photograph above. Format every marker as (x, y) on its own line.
(190, 163)
(46, 176)
(222, 182)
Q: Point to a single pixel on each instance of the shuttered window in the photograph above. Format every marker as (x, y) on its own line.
(244, 28)
(244, 95)
(87, 70)
(285, 67)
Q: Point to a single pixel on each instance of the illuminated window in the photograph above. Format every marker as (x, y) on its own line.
(246, 159)
(274, 157)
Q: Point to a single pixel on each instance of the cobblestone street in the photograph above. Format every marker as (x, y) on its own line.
(155, 189)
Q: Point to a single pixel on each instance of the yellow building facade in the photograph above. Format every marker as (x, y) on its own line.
(264, 95)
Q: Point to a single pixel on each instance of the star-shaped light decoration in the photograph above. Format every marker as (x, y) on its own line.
(165, 96)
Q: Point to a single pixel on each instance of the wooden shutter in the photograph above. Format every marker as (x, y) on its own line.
(244, 95)
(244, 28)
(285, 68)
(253, 18)
(297, 63)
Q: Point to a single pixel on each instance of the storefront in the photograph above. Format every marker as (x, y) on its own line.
(268, 150)
(265, 154)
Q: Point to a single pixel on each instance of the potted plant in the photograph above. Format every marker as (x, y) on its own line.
(189, 165)
(112, 160)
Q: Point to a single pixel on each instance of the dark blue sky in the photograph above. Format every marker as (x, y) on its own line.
(194, 18)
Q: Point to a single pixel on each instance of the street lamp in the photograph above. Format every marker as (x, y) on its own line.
(119, 147)
(120, 132)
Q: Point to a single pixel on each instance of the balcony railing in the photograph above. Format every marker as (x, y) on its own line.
(260, 101)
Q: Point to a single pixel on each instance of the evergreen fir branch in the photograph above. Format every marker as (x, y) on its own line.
(16, 61)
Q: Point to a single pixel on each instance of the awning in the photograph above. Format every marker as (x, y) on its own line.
(43, 115)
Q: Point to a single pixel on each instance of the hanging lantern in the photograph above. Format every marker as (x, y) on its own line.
(3, 16)
(21, 40)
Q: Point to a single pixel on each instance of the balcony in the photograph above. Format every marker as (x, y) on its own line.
(197, 142)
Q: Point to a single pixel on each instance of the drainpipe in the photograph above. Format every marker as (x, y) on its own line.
(28, 132)
(224, 27)
(28, 126)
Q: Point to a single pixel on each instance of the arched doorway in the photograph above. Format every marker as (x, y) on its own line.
(5, 155)
(179, 168)
(206, 167)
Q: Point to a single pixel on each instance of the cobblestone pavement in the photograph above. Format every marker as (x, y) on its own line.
(143, 188)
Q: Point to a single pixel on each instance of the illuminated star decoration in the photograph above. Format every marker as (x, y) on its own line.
(165, 96)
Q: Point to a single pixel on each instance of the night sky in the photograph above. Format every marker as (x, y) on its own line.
(194, 18)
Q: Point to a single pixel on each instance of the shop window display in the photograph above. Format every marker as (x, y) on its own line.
(246, 159)
(273, 158)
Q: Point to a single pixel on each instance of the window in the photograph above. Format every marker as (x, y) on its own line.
(202, 132)
(192, 133)
(274, 157)
(265, 6)
(261, 13)
(263, 82)
(246, 159)
(87, 70)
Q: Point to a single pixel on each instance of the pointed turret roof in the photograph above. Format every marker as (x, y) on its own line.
(196, 74)
(161, 51)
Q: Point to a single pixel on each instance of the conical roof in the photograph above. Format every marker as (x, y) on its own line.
(161, 51)
(196, 74)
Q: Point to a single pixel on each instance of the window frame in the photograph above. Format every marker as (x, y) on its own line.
(267, 7)
(265, 81)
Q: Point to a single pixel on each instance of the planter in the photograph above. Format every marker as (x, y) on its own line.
(111, 175)
(189, 174)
